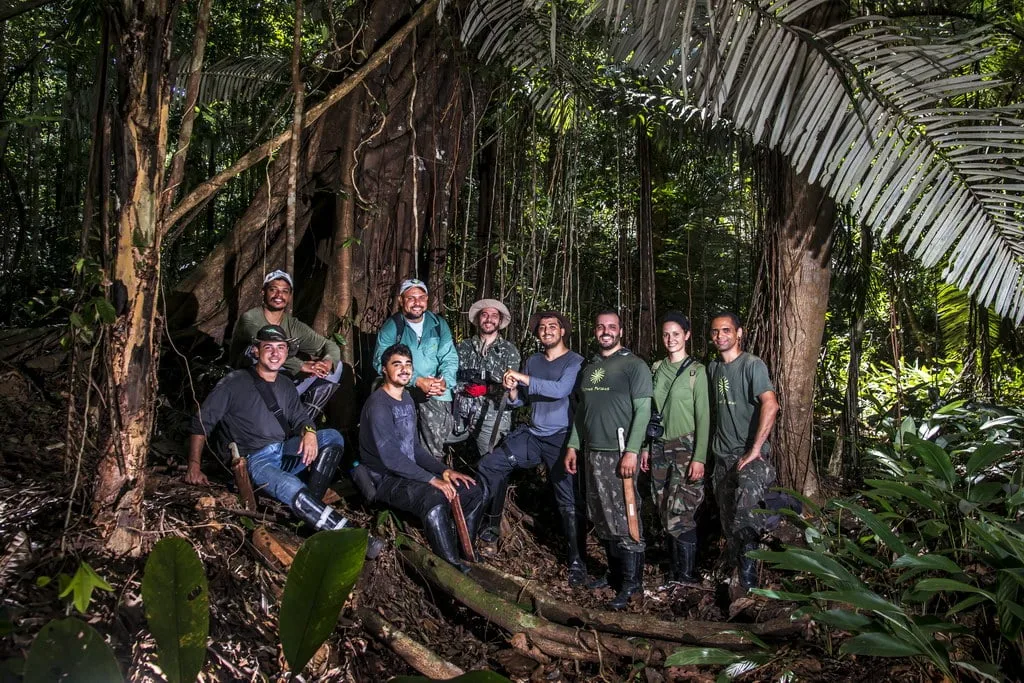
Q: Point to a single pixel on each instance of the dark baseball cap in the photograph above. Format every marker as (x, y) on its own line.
(271, 333)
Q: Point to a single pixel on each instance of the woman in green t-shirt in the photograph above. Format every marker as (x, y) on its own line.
(676, 457)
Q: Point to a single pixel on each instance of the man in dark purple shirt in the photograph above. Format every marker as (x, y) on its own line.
(546, 383)
(404, 474)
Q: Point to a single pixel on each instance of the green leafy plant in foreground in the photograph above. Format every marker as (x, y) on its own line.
(928, 560)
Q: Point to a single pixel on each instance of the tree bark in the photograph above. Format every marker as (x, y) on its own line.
(788, 313)
(416, 655)
(646, 334)
(144, 32)
(299, 90)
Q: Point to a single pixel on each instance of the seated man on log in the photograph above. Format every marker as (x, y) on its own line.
(258, 409)
(546, 383)
(316, 378)
(397, 470)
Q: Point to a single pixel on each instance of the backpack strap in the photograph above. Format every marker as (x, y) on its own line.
(267, 394)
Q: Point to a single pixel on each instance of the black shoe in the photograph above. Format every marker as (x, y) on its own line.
(314, 513)
(748, 567)
(632, 579)
(322, 473)
(573, 551)
(684, 559)
(440, 532)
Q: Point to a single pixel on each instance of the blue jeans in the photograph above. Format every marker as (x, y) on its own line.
(273, 467)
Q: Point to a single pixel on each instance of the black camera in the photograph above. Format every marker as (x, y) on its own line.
(655, 430)
(477, 376)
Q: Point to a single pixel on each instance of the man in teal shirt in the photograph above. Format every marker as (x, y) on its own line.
(434, 358)
(615, 393)
(746, 407)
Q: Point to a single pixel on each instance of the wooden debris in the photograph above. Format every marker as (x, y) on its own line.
(416, 655)
(530, 595)
(242, 480)
(277, 552)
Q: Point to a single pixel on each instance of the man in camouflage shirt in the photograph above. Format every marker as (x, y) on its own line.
(483, 360)
(746, 407)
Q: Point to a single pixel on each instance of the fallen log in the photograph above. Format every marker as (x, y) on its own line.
(527, 594)
(416, 655)
(572, 643)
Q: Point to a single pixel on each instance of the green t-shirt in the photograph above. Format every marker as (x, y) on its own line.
(608, 388)
(686, 410)
(737, 386)
(307, 342)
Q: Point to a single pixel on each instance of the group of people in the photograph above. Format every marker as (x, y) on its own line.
(602, 421)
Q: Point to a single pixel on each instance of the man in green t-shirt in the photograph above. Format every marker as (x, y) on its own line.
(746, 407)
(314, 363)
(615, 394)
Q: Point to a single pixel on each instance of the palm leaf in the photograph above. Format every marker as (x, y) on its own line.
(238, 79)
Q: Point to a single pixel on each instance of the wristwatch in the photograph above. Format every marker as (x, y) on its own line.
(308, 429)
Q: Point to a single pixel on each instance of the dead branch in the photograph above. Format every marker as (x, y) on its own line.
(575, 643)
(529, 595)
(416, 655)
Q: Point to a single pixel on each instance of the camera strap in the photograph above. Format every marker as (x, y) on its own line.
(687, 362)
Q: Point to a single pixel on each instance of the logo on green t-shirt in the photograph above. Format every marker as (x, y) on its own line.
(597, 376)
(723, 390)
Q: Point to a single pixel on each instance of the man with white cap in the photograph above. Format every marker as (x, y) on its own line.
(483, 360)
(435, 362)
(315, 361)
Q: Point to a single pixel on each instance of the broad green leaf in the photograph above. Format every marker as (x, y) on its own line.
(880, 645)
(929, 562)
(879, 527)
(778, 595)
(323, 574)
(935, 459)
(81, 586)
(177, 603)
(985, 492)
(900, 489)
(105, 310)
(813, 562)
(70, 650)
(938, 585)
(984, 456)
(469, 677)
(844, 619)
(966, 603)
(984, 670)
(862, 598)
(999, 421)
(688, 656)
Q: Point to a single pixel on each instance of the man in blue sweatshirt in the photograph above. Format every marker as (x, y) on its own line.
(546, 383)
(435, 362)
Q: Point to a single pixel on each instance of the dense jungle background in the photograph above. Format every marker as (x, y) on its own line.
(847, 176)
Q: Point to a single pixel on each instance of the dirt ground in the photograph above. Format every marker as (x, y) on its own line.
(45, 531)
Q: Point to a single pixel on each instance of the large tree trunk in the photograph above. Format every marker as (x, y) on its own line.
(404, 195)
(144, 32)
(646, 334)
(788, 313)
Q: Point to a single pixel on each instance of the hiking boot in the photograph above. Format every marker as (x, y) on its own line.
(684, 559)
(322, 473)
(748, 567)
(314, 513)
(632, 579)
(574, 560)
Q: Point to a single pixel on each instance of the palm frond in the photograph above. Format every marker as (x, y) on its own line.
(238, 79)
(880, 119)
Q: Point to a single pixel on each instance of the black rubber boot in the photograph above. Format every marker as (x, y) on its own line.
(748, 567)
(314, 513)
(490, 529)
(684, 559)
(573, 552)
(322, 473)
(613, 576)
(473, 517)
(632, 579)
(440, 532)
(316, 396)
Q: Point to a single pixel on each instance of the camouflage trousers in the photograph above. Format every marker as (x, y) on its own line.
(676, 498)
(739, 494)
(435, 425)
(606, 500)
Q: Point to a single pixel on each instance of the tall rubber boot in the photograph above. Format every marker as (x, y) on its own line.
(632, 579)
(685, 560)
(573, 551)
(490, 530)
(440, 532)
(314, 513)
(612, 577)
(748, 567)
(322, 473)
(474, 515)
(316, 396)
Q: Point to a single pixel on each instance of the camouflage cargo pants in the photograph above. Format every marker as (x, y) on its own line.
(739, 493)
(606, 500)
(435, 425)
(676, 497)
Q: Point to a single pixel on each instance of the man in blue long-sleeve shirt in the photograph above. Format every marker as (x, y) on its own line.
(406, 476)
(547, 380)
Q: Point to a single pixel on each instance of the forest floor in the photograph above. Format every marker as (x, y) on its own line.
(36, 545)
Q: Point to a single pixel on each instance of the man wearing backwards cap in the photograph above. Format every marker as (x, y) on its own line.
(259, 410)
(483, 360)
(435, 362)
(546, 382)
(316, 370)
